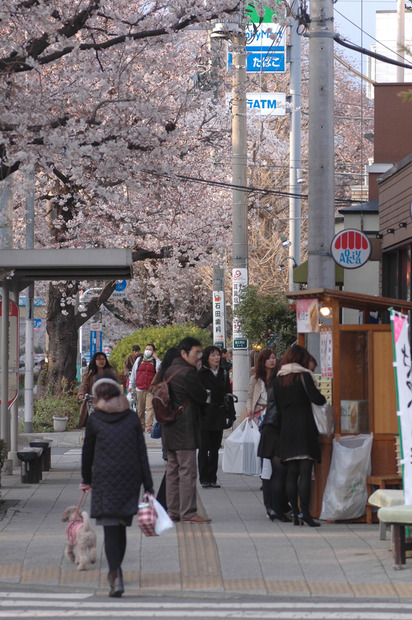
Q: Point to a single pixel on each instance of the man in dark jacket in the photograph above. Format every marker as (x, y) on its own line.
(181, 438)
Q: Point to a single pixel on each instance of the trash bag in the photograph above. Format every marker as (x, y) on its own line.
(345, 494)
(240, 450)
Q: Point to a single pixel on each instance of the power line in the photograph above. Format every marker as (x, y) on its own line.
(231, 186)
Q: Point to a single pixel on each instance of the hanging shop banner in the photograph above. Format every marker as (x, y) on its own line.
(219, 319)
(239, 280)
(326, 352)
(350, 248)
(403, 378)
(307, 316)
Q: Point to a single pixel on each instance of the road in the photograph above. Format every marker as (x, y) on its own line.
(35, 605)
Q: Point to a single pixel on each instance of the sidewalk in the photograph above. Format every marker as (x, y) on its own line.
(241, 551)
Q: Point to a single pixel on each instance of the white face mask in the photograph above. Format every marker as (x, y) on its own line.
(148, 354)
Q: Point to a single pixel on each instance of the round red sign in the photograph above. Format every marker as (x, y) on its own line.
(350, 248)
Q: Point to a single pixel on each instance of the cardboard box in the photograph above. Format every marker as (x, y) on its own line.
(354, 416)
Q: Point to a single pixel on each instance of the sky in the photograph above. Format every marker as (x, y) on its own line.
(355, 21)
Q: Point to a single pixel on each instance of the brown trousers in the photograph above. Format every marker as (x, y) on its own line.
(181, 474)
(145, 411)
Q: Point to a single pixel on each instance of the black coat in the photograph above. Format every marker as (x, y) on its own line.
(298, 431)
(184, 432)
(114, 459)
(215, 413)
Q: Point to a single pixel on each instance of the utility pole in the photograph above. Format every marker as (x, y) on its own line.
(400, 46)
(321, 223)
(295, 151)
(28, 370)
(6, 241)
(241, 364)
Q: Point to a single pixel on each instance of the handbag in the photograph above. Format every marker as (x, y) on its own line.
(152, 518)
(156, 431)
(147, 515)
(323, 416)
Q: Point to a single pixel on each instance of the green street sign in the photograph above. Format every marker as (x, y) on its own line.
(253, 16)
(240, 343)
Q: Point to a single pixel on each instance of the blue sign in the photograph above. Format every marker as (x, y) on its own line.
(96, 342)
(37, 323)
(263, 59)
(121, 285)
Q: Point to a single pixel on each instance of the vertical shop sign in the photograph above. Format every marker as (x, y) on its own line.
(219, 319)
(239, 280)
(403, 378)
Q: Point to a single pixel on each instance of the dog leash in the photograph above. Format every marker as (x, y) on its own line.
(82, 497)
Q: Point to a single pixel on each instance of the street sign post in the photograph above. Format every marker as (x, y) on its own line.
(96, 338)
(120, 290)
(13, 352)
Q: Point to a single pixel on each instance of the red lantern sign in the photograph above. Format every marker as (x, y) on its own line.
(350, 248)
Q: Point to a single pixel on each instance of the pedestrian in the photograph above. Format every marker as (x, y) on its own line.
(142, 375)
(273, 470)
(182, 436)
(130, 360)
(294, 391)
(216, 379)
(114, 466)
(226, 359)
(99, 366)
(258, 386)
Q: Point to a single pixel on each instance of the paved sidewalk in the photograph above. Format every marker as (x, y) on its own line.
(241, 551)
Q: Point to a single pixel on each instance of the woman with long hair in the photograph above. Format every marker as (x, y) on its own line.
(99, 366)
(294, 391)
(259, 384)
(215, 379)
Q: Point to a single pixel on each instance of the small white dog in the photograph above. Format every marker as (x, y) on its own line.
(80, 534)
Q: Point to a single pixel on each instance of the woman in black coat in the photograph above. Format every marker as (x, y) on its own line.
(114, 465)
(218, 416)
(294, 390)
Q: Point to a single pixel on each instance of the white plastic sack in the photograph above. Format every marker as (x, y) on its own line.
(240, 450)
(163, 522)
(345, 494)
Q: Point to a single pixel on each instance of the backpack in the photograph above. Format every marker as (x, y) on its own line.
(162, 404)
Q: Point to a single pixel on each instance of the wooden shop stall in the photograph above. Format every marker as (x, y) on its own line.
(357, 371)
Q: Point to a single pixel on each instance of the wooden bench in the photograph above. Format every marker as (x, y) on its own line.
(388, 481)
(399, 517)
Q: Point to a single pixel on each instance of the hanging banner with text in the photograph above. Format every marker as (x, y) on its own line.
(239, 280)
(403, 377)
(13, 351)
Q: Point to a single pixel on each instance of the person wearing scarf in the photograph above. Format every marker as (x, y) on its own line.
(294, 391)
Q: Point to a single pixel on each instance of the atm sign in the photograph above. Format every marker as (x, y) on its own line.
(350, 248)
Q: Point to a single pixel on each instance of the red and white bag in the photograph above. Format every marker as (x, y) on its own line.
(147, 515)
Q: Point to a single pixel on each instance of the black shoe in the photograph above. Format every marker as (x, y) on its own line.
(296, 520)
(115, 578)
(308, 519)
(282, 517)
(215, 485)
(271, 514)
(205, 485)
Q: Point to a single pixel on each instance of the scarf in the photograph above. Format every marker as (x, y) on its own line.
(288, 369)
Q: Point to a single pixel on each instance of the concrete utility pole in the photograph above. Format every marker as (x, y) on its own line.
(400, 45)
(6, 240)
(241, 363)
(321, 224)
(28, 370)
(295, 151)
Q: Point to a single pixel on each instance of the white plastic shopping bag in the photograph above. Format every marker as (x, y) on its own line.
(163, 522)
(240, 450)
(345, 494)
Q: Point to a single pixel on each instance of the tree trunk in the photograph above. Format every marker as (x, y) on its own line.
(62, 350)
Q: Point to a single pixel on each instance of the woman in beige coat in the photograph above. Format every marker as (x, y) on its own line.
(258, 386)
